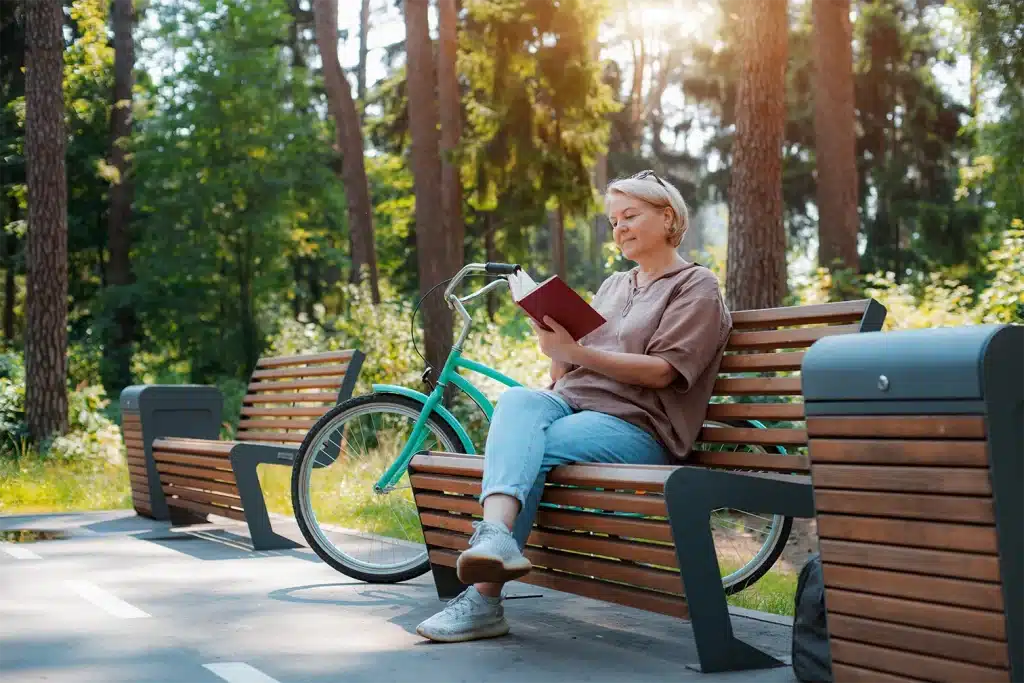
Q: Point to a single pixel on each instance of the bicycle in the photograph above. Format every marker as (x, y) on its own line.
(364, 500)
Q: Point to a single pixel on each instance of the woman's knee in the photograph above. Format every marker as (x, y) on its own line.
(518, 399)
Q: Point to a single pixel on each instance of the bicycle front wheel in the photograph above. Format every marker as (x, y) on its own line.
(369, 536)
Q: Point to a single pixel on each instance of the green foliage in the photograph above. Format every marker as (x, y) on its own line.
(30, 485)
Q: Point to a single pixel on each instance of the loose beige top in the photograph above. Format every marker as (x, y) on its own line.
(679, 317)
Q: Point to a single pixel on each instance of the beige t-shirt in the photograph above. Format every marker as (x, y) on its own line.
(679, 317)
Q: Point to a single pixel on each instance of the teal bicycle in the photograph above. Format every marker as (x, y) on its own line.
(350, 487)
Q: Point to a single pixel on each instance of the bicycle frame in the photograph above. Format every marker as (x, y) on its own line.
(449, 374)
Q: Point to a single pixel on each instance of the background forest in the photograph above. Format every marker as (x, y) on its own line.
(274, 176)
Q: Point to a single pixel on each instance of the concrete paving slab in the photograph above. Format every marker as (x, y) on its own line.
(287, 617)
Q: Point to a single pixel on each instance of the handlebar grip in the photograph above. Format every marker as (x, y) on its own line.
(501, 268)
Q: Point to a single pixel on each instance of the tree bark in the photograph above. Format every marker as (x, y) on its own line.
(451, 131)
(756, 261)
(118, 349)
(431, 247)
(350, 143)
(364, 37)
(835, 139)
(46, 340)
(556, 222)
(599, 225)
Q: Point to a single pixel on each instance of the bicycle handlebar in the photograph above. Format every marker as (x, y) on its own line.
(501, 268)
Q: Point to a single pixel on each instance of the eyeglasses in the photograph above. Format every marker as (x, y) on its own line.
(643, 175)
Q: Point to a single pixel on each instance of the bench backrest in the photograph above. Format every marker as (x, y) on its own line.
(759, 379)
(286, 394)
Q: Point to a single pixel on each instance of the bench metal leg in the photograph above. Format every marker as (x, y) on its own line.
(244, 459)
(446, 581)
(691, 494)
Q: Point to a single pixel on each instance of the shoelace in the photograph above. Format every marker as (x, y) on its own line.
(480, 530)
(460, 604)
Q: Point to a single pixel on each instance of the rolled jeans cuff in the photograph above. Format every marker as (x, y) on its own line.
(517, 493)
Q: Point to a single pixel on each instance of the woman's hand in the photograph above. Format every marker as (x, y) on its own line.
(559, 370)
(558, 345)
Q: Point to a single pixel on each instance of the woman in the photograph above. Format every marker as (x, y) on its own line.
(634, 391)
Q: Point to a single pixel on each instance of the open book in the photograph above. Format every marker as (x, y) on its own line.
(557, 300)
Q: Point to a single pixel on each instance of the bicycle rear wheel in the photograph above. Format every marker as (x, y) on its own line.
(369, 536)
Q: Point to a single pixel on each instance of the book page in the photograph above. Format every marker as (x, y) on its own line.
(521, 284)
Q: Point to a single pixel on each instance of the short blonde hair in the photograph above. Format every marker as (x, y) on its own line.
(659, 194)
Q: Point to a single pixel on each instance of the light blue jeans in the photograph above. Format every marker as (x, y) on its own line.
(533, 431)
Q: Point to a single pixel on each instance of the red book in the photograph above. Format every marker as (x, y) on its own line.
(557, 300)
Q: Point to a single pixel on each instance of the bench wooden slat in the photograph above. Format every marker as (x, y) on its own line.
(855, 674)
(921, 640)
(907, 505)
(193, 446)
(205, 509)
(307, 359)
(651, 601)
(762, 362)
(899, 427)
(203, 474)
(313, 371)
(271, 437)
(757, 386)
(132, 431)
(290, 411)
(310, 397)
(131, 442)
(437, 482)
(947, 618)
(137, 460)
(929, 668)
(753, 435)
(588, 566)
(910, 479)
(896, 452)
(180, 481)
(796, 338)
(210, 497)
(321, 383)
(832, 312)
(651, 505)
(137, 470)
(937, 589)
(249, 424)
(916, 534)
(198, 461)
(755, 411)
(920, 560)
(756, 461)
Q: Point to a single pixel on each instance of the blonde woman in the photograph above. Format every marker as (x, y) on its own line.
(634, 391)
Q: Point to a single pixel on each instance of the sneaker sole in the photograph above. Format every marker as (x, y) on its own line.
(489, 569)
(493, 631)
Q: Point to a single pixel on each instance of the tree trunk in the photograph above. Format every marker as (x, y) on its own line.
(431, 247)
(46, 259)
(451, 131)
(117, 351)
(350, 143)
(636, 96)
(835, 140)
(364, 36)
(756, 262)
(600, 224)
(556, 221)
(8, 244)
(491, 255)
(250, 334)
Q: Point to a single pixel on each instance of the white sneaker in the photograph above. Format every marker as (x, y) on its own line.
(493, 556)
(469, 616)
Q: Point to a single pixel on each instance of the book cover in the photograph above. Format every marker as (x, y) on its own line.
(556, 299)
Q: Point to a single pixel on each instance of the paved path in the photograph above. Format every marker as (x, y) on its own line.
(125, 599)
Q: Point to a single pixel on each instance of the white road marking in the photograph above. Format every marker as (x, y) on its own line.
(107, 602)
(239, 672)
(20, 553)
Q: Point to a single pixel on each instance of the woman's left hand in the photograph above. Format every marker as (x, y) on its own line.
(557, 344)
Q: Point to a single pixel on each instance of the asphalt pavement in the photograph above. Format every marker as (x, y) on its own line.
(109, 597)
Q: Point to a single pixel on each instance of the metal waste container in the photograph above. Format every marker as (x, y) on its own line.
(916, 444)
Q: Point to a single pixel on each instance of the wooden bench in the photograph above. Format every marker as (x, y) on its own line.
(199, 474)
(918, 486)
(638, 534)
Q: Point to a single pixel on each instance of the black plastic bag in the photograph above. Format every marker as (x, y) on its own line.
(812, 660)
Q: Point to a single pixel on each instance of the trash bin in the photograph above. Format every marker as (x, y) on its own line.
(151, 411)
(916, 444)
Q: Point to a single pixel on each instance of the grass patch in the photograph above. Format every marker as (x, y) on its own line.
(30, 485)
(775, 593)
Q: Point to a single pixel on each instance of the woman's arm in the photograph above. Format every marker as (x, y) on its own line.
(558, 369)
(629, 368)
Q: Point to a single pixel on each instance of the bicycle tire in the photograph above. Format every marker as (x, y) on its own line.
(299, 491)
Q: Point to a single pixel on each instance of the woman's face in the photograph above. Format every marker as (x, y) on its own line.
(639, 228)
